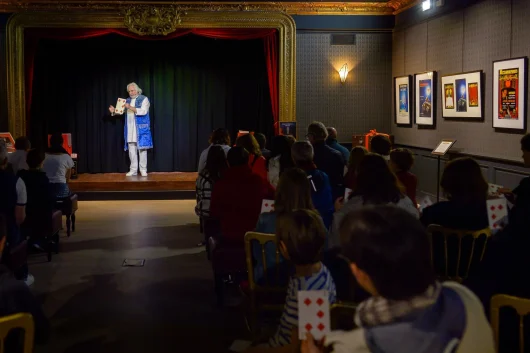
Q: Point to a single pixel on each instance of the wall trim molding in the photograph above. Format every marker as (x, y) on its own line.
(391, 7)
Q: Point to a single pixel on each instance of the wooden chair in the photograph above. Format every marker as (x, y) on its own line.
(522, 306)
(267, 295)
(18, 321)
(68, 206)
(468, 258)
(44, 232)
(342, 314)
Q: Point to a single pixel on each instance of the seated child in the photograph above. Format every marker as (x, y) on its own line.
(301, 236)
(401, 160)
(409, 311)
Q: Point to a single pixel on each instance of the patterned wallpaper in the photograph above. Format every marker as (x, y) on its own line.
(363, 102)
(465, 40)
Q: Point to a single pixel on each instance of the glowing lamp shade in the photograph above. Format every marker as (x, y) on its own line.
(426, 5)
(343, 73)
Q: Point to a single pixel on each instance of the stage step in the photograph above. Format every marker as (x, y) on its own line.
(136, 195)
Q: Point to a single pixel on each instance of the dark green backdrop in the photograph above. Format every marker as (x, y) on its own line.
(195, 84)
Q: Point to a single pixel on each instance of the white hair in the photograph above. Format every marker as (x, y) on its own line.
(137, 87)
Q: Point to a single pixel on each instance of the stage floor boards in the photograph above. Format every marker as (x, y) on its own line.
(119, 182)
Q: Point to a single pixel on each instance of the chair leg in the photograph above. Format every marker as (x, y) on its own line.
(73, 222)
(219, 289)
(56, 239)
(68, 225)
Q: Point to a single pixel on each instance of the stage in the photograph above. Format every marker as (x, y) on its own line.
(117, 186)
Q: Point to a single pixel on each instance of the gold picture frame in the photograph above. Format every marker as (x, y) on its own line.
(17, 23)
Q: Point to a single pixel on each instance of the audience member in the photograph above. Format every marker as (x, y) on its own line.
(410, 311)
(332, 142)
(301, 236)
(256, 162)
(58, 167)
(292, 193)
(262, 141)
(321, 194)
(40, 198)
(356, 155)
(466, 190)
(381, 145)
(520, 196)
(326, 158)
(237, 197)
(401, 161)
(216, 165)
(376, 185)
(13, 199)
(16, 297)
(280, 158)
(219, 137)
(17, 159)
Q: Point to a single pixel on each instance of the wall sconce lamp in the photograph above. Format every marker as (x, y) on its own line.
(426, 5)
(343, 73)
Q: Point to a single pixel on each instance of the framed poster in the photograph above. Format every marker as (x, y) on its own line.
(402, 100)
(424, 101)
(462, 96)
(288, 128)
(509, 93)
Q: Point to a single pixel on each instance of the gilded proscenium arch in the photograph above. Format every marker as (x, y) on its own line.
(191, 19)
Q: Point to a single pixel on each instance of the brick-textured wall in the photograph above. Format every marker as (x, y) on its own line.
(363, 102)
(465, 40)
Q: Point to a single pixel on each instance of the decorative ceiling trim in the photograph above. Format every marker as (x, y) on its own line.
(391, 7)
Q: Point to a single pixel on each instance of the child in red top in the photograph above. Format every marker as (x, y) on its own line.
(401, 160)
(256, 162)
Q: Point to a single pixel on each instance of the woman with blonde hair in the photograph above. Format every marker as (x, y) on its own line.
(256, 162)
(293, 193)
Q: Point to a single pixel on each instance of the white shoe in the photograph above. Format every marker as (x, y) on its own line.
(30, 280)
(131, 173)
(144, 174)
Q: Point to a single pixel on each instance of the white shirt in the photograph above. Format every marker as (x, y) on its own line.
(22, 196)
(18, 160)
(56, 165)
(204, 156)
(132, 132)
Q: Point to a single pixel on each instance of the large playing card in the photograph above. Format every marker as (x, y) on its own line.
(120, 106)
(267, 206)
(313, 313)
(497, 213)
(347, 194)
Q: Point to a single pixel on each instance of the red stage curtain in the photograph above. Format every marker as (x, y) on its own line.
(32, 36)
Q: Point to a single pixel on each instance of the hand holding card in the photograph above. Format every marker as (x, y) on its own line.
(494, 190)
(313, 313)
(347, 194)
(267, 206)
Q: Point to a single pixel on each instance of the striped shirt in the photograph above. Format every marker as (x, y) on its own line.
(203, 192)
(321, 280)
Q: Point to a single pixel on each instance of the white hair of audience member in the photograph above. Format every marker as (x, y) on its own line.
(302, 151)
(3, 151)
(135, 85)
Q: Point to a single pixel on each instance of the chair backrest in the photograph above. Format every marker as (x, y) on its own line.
(262, 239)
(342, 314)
(521, 305)
(472, 254)
(18, 321)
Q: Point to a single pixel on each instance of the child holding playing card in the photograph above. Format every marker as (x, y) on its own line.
(301, 236)
(409, 311)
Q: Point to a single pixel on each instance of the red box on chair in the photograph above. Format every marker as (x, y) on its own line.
(67, 142)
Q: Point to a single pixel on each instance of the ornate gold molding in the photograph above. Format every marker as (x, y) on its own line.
(152, 20)
(283, 23)
(291, 8)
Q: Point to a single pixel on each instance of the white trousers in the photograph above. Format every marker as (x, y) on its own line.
(133, 155)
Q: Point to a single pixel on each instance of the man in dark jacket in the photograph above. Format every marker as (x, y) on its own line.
(326, 158)
(332, 142)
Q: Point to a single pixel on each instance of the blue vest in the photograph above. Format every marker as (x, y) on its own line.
(143, 126)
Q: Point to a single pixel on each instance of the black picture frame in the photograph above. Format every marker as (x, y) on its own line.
(398, 120)
(472, 112)
(427, 122)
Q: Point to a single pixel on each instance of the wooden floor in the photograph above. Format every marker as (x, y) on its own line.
(120, 182)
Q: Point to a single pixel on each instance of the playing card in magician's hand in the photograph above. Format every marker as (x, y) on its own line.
(493, 190)
(267, 206)
(313, 313)
(120, 106)
(347, 194)
(497, 213)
